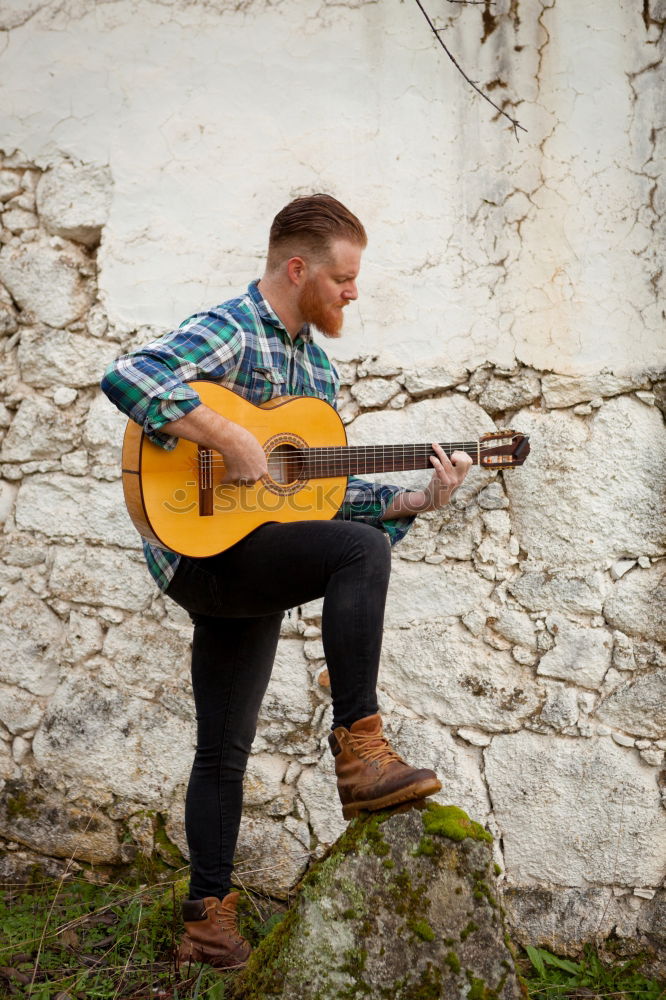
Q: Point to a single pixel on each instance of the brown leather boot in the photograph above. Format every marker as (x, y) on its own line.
(211, 933)
(371, 775)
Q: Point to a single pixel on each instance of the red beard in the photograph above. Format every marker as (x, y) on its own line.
(327, 319)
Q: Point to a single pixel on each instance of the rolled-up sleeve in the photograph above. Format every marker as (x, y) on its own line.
(368, 502)
(148, 385)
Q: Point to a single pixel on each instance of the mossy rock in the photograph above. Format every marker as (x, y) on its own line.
(403, 907)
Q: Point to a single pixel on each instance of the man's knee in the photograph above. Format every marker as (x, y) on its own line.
(371, 545)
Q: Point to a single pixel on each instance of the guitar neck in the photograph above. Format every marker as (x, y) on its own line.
(352, 460)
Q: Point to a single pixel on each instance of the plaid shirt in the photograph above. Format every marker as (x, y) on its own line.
(242, 345)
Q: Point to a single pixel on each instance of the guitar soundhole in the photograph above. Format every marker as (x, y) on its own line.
(286, 463)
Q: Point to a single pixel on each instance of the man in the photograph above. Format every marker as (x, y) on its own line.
(260, 345)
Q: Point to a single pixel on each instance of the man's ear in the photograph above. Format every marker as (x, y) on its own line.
(296, 270)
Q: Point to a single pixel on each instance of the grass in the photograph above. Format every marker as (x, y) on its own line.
(75, 940)
(550, 977)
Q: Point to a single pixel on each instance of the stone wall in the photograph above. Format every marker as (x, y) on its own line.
(524, 647)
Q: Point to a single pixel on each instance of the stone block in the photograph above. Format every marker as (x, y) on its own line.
(84, 636)
(10, 180)
(444, 672)
(575, 812)
(567, 390)
(372, 392)
(55, 357)
(74, 200)
(105, 740)
(423, 591)
(637, 603)
(46, 282)
(31, 638)
(40, 430)
(563, 919)
(515, 626)
(263, 778)
(288, 697)
(19, 711)
(46, 822)
(103, 431)
(560, 709)
(87, 509)
(8, 493)
(269, 857)
(404, 880)
(433, 377)
(318, 792)
(638, 706)
(582, 477)
(100, 577)
(564, 590)
(581, 655)
(144, 656)
(505, 394)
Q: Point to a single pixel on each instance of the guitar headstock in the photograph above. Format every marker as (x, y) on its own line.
(503, 449)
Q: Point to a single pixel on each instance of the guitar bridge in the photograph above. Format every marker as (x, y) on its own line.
(206, 496)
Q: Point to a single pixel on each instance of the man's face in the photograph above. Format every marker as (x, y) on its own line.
(330, 287)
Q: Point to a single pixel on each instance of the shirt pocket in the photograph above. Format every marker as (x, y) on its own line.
(318, 388)
(265, 383)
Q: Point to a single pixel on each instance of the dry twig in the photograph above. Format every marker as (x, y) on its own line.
(437, 33)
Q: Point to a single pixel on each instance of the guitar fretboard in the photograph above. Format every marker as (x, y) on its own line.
(351, 460)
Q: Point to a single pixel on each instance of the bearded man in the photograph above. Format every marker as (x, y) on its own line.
(260, 345)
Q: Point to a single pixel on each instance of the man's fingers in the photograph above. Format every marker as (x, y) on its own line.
(461, 458)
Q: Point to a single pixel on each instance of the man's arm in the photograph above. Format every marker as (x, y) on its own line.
(149, 385)
(244, 458)
(448, 475)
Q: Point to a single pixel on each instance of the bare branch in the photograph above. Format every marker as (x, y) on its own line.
(436, 32)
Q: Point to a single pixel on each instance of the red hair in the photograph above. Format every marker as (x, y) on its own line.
(307, 226)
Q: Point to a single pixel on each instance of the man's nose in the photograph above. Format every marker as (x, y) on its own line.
(351, 292)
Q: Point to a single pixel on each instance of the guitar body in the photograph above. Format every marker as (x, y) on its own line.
(176, 499)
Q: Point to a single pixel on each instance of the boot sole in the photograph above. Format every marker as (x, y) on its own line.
(417, 791)
(192, 954)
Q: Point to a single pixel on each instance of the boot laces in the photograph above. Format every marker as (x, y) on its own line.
(227, 918)
(374, 747)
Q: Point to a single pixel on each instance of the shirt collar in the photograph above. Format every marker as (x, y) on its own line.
(270, 317)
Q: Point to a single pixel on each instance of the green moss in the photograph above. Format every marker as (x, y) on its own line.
(166, 849)
(497, 869)
(426, 847)
(468, 929)
(452, 822)
(479, 991)
(453, 962)
(482, 891)
(388, 863)
(423, 930)
(18, 804)
(354, 963)
(477, 988)
(428, 987)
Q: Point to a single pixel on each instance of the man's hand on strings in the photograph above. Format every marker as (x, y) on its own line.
(449, 474)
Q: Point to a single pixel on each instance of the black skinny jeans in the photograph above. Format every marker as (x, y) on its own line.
(236, 601)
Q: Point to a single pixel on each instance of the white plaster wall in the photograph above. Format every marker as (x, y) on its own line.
(504, 282)
(481, 247)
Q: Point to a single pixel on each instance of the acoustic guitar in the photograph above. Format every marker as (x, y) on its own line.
(177, 499)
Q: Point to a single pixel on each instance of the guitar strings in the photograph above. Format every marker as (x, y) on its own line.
(339, 455)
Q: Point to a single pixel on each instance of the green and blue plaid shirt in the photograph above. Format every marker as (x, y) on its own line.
(241, 344)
